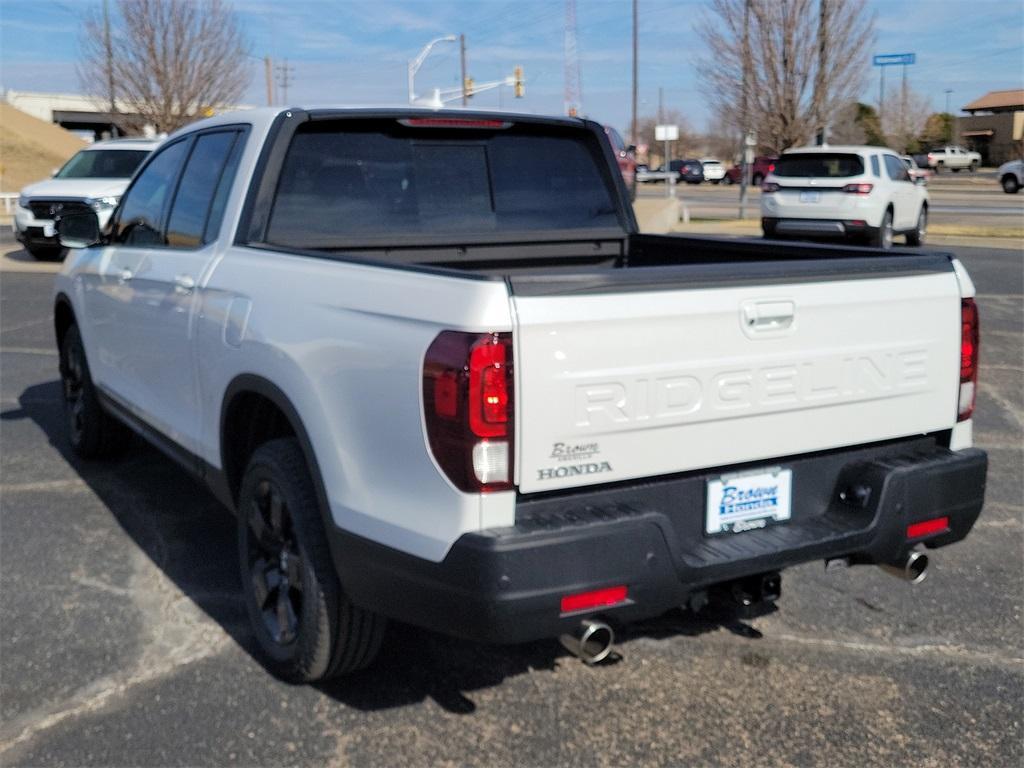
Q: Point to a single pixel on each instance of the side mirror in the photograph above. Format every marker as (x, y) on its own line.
(78, 230)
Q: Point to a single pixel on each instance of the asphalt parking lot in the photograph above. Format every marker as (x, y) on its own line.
(124, 641)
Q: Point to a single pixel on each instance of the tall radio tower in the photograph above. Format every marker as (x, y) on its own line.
(573, 85)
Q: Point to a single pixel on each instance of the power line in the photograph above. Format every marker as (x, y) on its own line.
(285, 77)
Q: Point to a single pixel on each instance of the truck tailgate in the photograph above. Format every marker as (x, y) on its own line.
(633, 380)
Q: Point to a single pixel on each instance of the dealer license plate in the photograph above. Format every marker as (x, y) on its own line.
(810, 197)
(748, 500)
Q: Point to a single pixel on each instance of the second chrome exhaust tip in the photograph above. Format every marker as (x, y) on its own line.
(592, 643)
(913, 567)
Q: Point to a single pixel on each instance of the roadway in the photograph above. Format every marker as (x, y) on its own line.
(962, 198)
(125, 641)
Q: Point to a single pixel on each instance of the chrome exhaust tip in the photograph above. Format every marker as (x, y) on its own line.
(913, 567)
(592, 643)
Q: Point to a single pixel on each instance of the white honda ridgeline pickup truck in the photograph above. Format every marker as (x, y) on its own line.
(429, 361)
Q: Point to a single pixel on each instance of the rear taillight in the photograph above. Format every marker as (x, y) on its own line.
(768, 187)
(858, 189)
(468, 404)
(453, 122)
(970, 337)
(771, 168)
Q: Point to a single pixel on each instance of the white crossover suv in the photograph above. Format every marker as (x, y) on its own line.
(714, 171)
(91, 180)
(859, 193)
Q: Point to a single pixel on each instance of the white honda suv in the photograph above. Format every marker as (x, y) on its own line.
(92, 180)
(861, 193)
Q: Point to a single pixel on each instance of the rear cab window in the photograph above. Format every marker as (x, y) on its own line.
(819, 165)
(350, 180)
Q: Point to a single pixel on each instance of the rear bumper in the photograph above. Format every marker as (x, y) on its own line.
(505, 585)
(839, 228)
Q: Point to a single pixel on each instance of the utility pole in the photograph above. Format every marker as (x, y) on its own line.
(881, 96)
(268, 75)
(636, 139)
(573, 83)
(109, 51)
(820, 95)
(744, 166)
(462, 61)
(947, 92)
(286, 76)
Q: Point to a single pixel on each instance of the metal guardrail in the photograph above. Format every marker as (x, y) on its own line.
(8, 200)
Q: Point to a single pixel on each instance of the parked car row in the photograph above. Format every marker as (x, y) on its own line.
(691, 171)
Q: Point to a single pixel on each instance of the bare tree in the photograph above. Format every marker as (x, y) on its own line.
(904, 118)
(169, 61)
(806, 59)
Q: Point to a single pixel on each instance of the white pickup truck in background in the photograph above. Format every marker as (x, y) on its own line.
(954, 159)
(429, 361)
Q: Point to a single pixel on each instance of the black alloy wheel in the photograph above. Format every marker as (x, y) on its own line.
(306, 627)
(274, 563)
(92, 432)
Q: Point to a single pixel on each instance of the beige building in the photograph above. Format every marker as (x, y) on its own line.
(994, 127)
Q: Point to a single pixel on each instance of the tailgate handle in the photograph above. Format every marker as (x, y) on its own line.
(768, 315)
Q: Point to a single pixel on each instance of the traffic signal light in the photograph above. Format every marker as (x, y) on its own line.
(467, 87)
(517, 86)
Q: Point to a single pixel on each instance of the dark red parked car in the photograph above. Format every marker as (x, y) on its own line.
(763, 165)
(624, 154)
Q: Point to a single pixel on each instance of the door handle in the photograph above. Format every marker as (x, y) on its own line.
(184, 283)
(125, 275)
(768, 315)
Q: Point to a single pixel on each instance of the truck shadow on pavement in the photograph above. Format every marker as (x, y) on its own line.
(191, 538)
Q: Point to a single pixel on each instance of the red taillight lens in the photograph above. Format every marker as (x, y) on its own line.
(599, 598)
(768, 187)
(452, 122)
(771, 168)
(970, 339)
(858, 189)
(927, 527)
(468, 399)
(488, 388)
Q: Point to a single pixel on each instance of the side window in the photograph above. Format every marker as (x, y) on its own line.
(220, 197)
(199, 184)
(895, 168)
(874, 167)
(140, 218)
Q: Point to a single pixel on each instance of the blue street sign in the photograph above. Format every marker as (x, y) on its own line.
(886, 59)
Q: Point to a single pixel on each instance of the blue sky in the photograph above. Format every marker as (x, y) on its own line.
(355, 51)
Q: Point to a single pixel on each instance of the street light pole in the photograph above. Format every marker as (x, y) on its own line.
(415, 64)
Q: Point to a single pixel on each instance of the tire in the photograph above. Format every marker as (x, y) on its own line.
(46, 252)
(757, 179)
(882, 237)
(308, 630)
(920, 232)
(974, 167)
(92, 432)
(1010, 184)
(728, 181)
